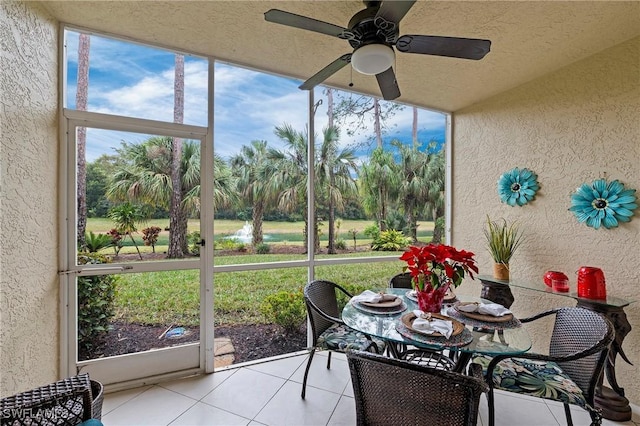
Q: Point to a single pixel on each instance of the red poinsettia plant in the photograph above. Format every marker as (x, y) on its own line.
(435, 265)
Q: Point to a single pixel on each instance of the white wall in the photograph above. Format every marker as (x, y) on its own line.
(570, 127)
(28, 195)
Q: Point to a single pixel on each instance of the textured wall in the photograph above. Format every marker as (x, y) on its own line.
(570, 127)
(28, 250)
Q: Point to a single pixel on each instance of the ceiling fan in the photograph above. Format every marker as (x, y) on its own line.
(372, 33)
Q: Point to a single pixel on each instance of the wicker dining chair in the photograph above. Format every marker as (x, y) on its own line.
(328, 331)
(389, 391)
(401, 280)
(570, 371)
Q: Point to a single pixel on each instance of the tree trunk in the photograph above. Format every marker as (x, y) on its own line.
(376, 122)
(305, 233)
(182, 231)
(81, 105)
(382, 212)
(332, 218)
(177, 235)
(256, 216)
(414, 128)
(316, 232)
(411, 219)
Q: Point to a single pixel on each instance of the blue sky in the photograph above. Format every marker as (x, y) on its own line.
(137, 81)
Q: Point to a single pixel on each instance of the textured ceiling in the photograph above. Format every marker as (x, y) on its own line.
(529, 39)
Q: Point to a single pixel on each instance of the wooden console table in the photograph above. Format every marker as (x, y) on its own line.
(612, 401)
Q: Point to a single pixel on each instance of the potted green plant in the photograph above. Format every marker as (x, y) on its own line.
(503, 239)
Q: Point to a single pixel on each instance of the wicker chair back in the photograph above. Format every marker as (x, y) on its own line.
(389, 391)
(401, 280)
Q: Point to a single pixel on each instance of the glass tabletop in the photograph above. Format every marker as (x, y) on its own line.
(491, 339)
(538, 285)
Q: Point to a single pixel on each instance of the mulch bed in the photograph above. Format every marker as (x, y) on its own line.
(250, 342)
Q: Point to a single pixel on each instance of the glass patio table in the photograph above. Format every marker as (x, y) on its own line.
(478, 337)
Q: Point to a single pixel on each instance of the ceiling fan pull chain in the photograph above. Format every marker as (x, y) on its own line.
(351, 77)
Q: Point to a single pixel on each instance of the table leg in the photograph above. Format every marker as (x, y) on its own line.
(461, 362)
(612, 401)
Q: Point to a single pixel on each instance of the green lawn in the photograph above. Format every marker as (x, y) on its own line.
(172, 297)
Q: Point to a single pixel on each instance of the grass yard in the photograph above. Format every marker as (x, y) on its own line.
(172, 297)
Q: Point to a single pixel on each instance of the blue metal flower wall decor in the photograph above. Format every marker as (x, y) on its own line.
(604, 204)
(518, 186)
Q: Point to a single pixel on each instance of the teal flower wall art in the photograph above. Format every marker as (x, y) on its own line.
(518, 186)
(602, 203)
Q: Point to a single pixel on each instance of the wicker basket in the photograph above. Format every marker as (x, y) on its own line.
(97, 393)
(66, 402)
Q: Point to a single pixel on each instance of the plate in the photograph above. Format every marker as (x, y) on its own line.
(481, 317)
(390, 304)
(380, 311)
(448, 297)
(407, 320)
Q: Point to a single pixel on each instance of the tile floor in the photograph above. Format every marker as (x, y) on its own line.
(268, 393)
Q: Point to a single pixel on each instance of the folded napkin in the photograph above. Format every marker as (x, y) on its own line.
(431, 325)
(369, 296)
(493, 309)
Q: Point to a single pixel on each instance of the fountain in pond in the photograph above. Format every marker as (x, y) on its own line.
(245, 235)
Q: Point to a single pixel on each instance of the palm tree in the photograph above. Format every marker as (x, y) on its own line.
(248, 168)
(413, 189)
(146, 178)
(84, 41)
(177, 223)
(333, 175)
(435, 192)
(126, 216)
(288, 172)
(379, 180)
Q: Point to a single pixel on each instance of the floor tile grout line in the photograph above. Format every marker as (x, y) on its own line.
(253, 419)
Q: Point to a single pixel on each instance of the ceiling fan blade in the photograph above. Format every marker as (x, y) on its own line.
(302, 22)
(453, 47)
(394, 11)
(326, 72)
(388, 84)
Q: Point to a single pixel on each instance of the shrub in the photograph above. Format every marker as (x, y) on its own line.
(285, 309)
(263, 248)
(150, 236)
(116, 240)
(390, 240)
(96, 242)
(225, 243)
(193, 240)
(372, 231)
(341, 245)
(95, 303)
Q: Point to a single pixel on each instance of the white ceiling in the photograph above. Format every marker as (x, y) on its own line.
(529, 39)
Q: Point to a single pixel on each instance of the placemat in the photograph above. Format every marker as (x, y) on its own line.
(462, 339)
(513, 323)
(390, 304)
(407, 320)
(380, 311)
(479, 316)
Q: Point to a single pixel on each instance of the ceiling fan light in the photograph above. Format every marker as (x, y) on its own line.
(372, 59)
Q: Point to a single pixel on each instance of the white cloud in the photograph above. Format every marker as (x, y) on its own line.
(132, 80)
